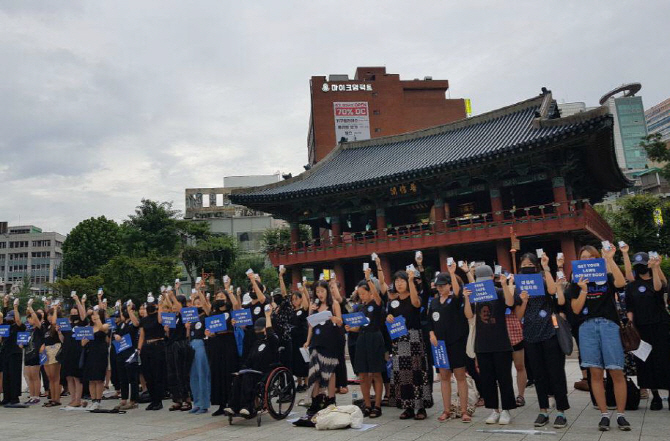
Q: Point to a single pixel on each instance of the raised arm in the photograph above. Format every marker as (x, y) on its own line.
(613, 268)
(455, 286)
(627, 265)
(380, 276)
(656, 273)
(548, 278)
(373, 289)
(335, 290)
(131, 313)
(282, 284)
(256, 288)
(414, 296)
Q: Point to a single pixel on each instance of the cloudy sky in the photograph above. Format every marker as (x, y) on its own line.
(105, 103)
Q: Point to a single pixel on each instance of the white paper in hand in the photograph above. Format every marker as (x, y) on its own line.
(319, 318)
(643, 351)
(305, 354)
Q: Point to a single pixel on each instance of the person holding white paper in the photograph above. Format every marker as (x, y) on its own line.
(647, 310)
(300, 304)
(200, 373)
(95, 366)
(11, 356)
(599, 340)
(31, 355)
(178, 351)
(51, 345)
(448, 324)
(370, 353)
(224, 358)
(545, 356)
(151, 346)
(410, 387)
(72, 354)
(128, 372)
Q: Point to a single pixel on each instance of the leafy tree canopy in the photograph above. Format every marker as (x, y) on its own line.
(89, 246)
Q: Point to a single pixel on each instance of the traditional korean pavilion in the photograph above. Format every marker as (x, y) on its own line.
(518, 177)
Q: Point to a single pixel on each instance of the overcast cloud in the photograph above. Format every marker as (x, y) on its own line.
(106, 103)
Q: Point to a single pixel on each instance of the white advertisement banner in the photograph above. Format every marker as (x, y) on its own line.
(352, 121)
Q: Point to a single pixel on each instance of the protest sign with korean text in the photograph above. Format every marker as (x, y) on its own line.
(533, 284)
(397, 329)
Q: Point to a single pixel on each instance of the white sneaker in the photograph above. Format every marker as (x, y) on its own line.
(493, 418)
(505, 418)
(93, 406)
(244, 412)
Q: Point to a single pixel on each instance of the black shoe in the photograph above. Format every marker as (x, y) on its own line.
(158, 406)
(656, 404)
(150, 406)
(328, 401)
(218, 412)
(541, 420)
(316, 406)
(604, 424)
(560, 422)
(530, 383)
(623, 424)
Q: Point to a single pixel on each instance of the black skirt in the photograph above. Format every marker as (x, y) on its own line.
(654, 373)
(71, 356)
(299, 365)
(224, 362)
(95, 367)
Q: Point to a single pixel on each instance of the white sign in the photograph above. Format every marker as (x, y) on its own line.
(352, 121)
(346, 87)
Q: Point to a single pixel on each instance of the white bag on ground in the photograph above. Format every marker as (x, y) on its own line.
(339, 417)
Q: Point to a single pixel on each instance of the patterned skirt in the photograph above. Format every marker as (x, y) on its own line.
(321, 368)
(410, 386)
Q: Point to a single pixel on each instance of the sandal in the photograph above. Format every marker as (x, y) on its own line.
(466, 418)
(175, 406)
(385, 401)
(186, 407)
(444, 416)
(407, 414)
(376, 412)
(520, 401)
(52, 404)
(342, 390)
(421, 414)
(366, 411)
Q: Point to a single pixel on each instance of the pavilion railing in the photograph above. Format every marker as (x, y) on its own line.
(476, 221)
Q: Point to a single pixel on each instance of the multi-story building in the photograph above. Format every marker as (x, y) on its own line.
(630, 125)
(26, 252)
(213, 206)
(658, 119)
(374, 104)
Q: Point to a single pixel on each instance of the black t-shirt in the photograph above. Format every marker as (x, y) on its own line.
(403, 307)
(258, 309)
(264, 352)
(50, 335)
(491, 327)
(537, 322)
(599, 299)
(178, 333)
(447, 319)
(374, 314)
(198, 328)
(9, 345)
(152, 329)
(648, 306)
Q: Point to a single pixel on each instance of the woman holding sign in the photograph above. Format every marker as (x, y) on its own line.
(300, 304)
(127, 368)
(599, 341)
(178, 352)
(52, 345)
(448, 326)
(536, 288)
(31, 356)
(152, 349)
(72, 353)
(95, 368)
(200, 376)
(224, 359)
(410, 387)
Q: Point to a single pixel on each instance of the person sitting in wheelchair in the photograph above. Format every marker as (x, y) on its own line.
(263, 356)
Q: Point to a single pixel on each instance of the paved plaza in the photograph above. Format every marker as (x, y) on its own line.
(38, 423)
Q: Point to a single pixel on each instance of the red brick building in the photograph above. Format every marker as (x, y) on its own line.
(374, 104)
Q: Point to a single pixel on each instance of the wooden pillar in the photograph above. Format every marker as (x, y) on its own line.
(296, 276)
(295, 235)
(336, 229)
(438, 210)
(569, 250)
(381, 222)
(503, 255)
(443, 259)
(339, 273)
(560, 195)
(496, 204)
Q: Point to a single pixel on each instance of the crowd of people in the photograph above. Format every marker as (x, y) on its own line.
(202, 353)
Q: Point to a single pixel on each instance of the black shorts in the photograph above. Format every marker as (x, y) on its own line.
(370, 352)
(457, 353)
(519, 346)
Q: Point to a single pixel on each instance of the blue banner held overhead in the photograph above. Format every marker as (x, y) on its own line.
(23, 338)
(397, 329)
(440, 356)
(169, 319)
(482, 291)
(123, 344)
(533, 284)
(216, 323)
(189, 315)
(593, 270)
(355, 320)
(242, 317)
(64, 324)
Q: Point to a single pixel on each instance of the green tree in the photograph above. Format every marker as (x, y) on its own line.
(89, 246)
(658, 151)
(256, 262)
(152, 231)
(212, 254)
(280, 237)
(89, 286)
(133, 278)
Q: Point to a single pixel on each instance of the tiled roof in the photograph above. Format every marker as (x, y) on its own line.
(385, 160)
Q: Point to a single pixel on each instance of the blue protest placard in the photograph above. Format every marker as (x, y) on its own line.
(189, 315)
(43, 357)
(23, 338)
(440, 357)
(533, 284)
(111, 323)
(216, 323)
(397, 329)
(482, 291)
(4, 330)
(389, 368)
(355, 320)
(83, 332)
(595, 270)
(64, 324)
(29, 327)
(123, 344)
(242, 317)
(169, 319)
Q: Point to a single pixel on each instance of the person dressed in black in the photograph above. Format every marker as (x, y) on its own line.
(178, 352)
(11, 355)
(448, 324)
(152, 350)
(263, 355)
(52, 347)
(127, 361)
(31, 354)
(72, 350)
(95, 367)
(257, 307)
(370, 349)
(300, 305)
(647, 310)
(200, 374)
(222, 351)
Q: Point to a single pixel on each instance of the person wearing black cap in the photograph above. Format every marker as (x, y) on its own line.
(493, 349)
(152, 349)
(370, 359)
(448, 324)
(263, 354)
(11, 357)
(178, 353)
(647, 310)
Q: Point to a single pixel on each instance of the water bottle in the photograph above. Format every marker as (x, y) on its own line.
(354, 397)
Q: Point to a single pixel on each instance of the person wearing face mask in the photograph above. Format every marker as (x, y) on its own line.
(127, 368)
(282, 314)
(410, 387)
(222, 351)
(178, 353)
(200, 376)
(647, 310)
(257, 305)
(95, 367)
(300, 304)
(31, 355)
(544, 353)
(599, 340)
(11, 358)
(72, 354)
(151, 346)
(448, 324)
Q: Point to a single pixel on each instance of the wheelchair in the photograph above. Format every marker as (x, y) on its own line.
(274, 394)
